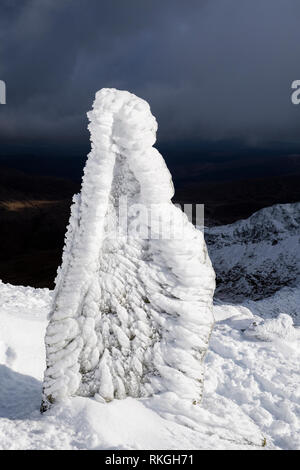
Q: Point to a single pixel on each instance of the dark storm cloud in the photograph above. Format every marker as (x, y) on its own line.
(217, 69)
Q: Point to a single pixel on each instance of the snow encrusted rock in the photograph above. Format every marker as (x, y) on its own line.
(132, 308)
(255, 257)
(281, 328)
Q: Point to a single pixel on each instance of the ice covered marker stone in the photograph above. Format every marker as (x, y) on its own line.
(132, 310)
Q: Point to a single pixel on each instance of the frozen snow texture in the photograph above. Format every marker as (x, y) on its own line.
(280, 328)
(131, 315)
(251, 389)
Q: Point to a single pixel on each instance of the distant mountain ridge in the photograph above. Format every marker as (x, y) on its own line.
(34, 212)
(255, 257)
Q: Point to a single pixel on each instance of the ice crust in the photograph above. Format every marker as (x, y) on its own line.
(131, 315)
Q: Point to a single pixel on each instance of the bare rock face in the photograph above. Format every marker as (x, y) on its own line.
(132, 310)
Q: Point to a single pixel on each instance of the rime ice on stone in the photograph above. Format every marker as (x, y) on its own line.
(131, 315)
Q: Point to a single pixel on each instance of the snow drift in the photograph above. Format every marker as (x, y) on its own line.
(250, 399)
(132, 310)
(272, 329)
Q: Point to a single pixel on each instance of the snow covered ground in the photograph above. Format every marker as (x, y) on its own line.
(251, 396)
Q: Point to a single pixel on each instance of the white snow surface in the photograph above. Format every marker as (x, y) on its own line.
(274, 328)
(251, 388)
(132, 311)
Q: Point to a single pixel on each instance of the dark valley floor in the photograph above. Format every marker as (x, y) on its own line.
(34, 212)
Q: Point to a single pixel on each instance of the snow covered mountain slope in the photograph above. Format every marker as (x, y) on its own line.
(286, 300)
(255, 257)
(251, 389)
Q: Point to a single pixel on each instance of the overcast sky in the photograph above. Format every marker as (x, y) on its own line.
(210, 69)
